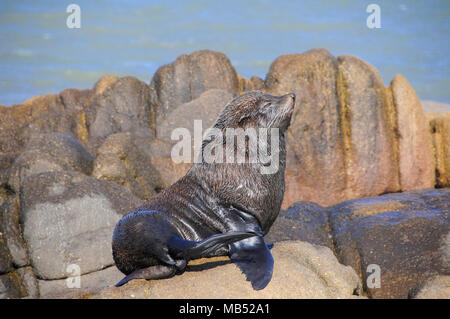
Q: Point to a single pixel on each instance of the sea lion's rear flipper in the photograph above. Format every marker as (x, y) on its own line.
(199, 249)
(254, 259)
(152, 272)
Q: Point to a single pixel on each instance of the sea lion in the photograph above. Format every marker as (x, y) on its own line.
(217, 208)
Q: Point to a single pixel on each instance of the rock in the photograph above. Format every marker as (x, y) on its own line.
(50, 152)
(188, 77)
(11, 286)
(61, 113)
(440, 132)
(89, 284)
(160, 158)
(6, 160)
(5, 189)
(246, 85)
(104, 82)
(205, 108)
(12, 232)
(6, 264)
(76, 102)
(41, 114)
(369, 139)
(315, 147)
(301, 270)
(76, 99)
(120, 160)
(29, 282)
(68, 218)
(305, 221)
(416, 161)
(124, 106)
(405, 234)
(436, 288)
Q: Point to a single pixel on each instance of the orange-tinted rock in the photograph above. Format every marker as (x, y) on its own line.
(370, 150)
(315, 152)
(416, 160)
(246, 85)
(104, 82)
(41, 114)
(440, 130)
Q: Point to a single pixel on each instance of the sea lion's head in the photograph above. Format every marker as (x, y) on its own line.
(259, 110)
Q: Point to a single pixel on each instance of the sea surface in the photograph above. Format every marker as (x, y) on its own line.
(39, 54)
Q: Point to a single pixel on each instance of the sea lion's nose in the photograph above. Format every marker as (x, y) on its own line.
(292, 95)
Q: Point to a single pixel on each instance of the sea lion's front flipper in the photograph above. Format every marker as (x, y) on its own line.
(152, 272)
(197, 249)
(254, 259)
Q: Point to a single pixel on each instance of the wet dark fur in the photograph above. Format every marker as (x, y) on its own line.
(227, 198)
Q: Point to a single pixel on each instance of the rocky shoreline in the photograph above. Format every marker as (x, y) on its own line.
(368, 177)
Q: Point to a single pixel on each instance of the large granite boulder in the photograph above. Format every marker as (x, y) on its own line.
(120, 160)
(369, 140)
(123, 106)
(440, 132)
(205, 108)
(188, 77)
(406, 235)
(68, 218)
(350, 136)
(315, 146)
(50, 152)
(301, 270)
(305, 221)
(416, 160)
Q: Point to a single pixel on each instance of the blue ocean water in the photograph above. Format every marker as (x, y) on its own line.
(39, 54)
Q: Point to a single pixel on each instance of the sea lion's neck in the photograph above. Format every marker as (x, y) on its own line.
(243, 185)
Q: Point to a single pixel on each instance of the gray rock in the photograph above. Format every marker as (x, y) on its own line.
(124, 106)
(50, 152)
(188, 77)
(11, 286)
(406, 234)
(68, 218)
(120, 160)
(89, 284)
(159, 152)
(6, 264)
(205, 108)
(12, 232)
(6, 160)
(29, 282)
(305, 221)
